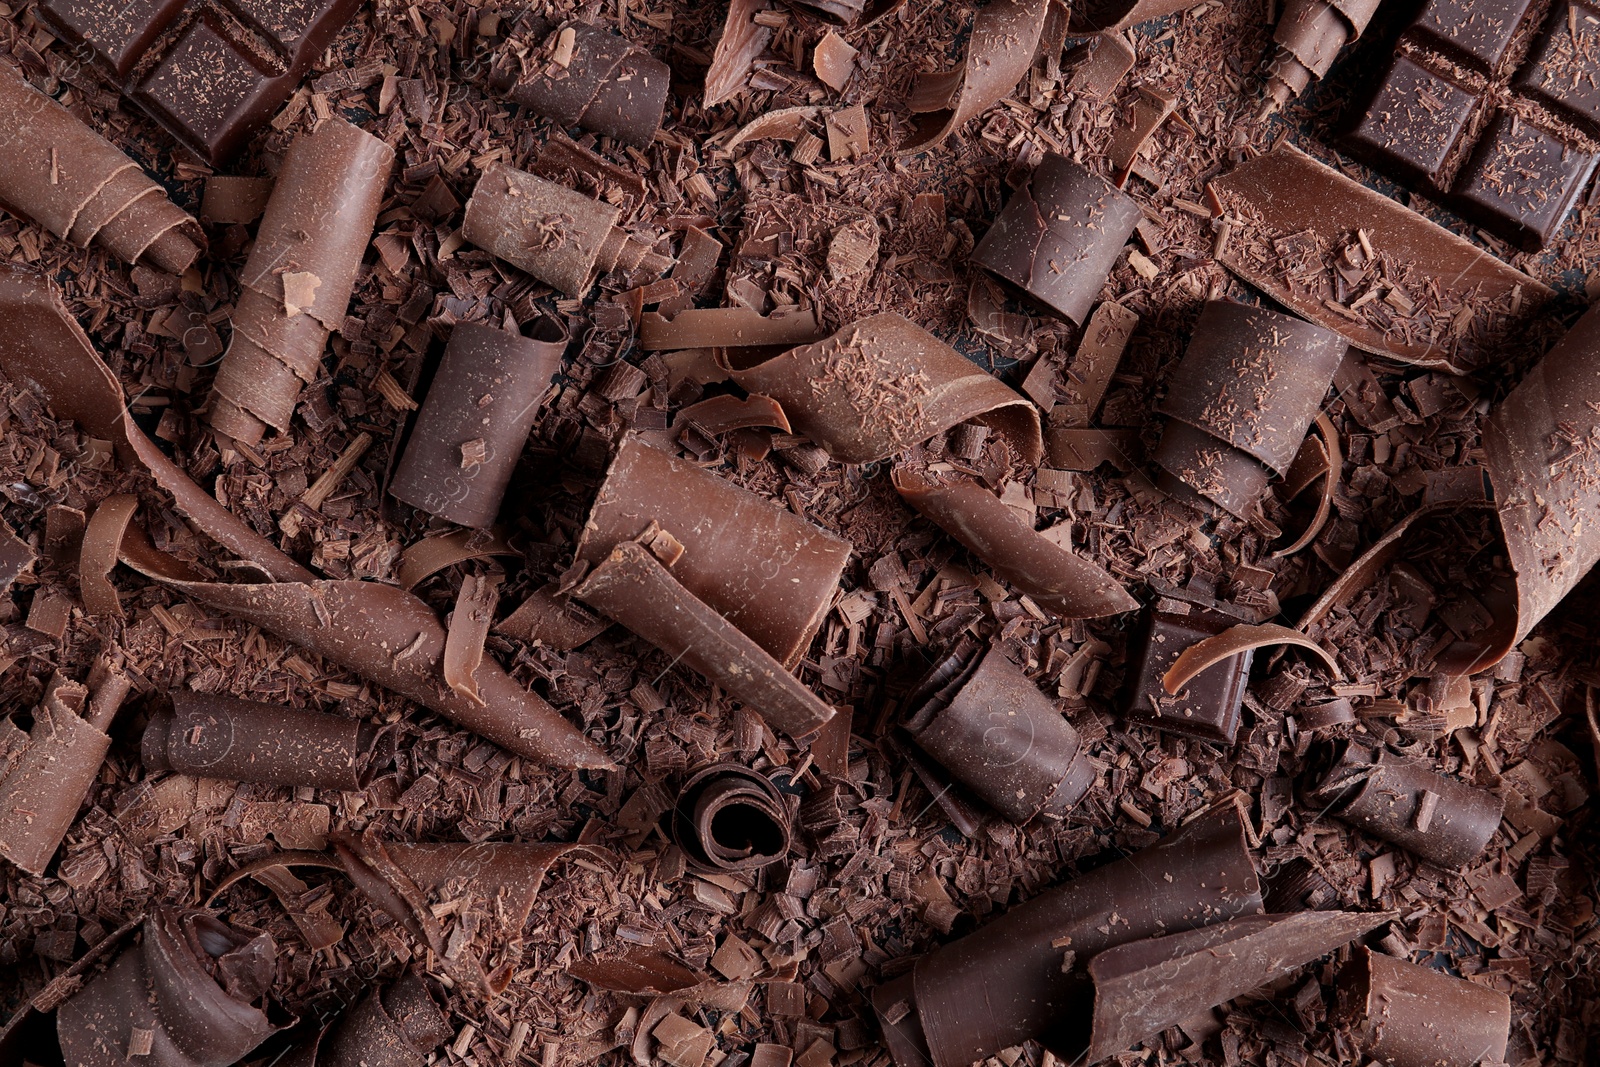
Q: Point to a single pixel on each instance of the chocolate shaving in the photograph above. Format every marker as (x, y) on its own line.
(728, 818)
(743, 40)
(434, 553)
(48, 774)
(1234, 640)
(552, 619)
(1107, 59)
(581, 75)
(1151, 108)
(1332, 458)
(561, 237)
(1309, 37)
(1113, 16)
(396, 1026)
(720, 414)
(784, 124)
(97, 555)
(16, 556)
(857, 13)
(731, 327)
(469, 626)
(1412, 1016)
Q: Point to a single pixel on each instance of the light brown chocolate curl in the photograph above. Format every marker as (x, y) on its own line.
(1210, 651)
(48, 776)
(1309, 37)
(560, 237)
(1005, 35)
(576, 74)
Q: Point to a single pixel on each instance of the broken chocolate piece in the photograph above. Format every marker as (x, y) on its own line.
(16, 556)
(1309, 37)
(214, 736)
(487, 389)
(296, 286)
(1243, 396)
(397, 1026)
(48, 773)
(1059, 235)
(66, 177)
(1386, 796)
(1005, 35)
(743, 39)
(1111, 16)
(728, 818)
(989, 725)
(1410, 1016)
(1207, 704)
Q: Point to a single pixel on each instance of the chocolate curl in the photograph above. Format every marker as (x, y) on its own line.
(633, 588)
(66, 177)
(1240, 402)
(49, 774)
(213, 736)
(1309, 37)
(433, 554)
(984, 721)
(742, 40)
(1013, 966)
(1210, 651)
(1005, 37)
(1112, 16)
(720, 414)
(1059, 235)
(730, 327)
(397, 1026)
(1285, 193)
(552, 619)
(883, 384)
(851, 12)
(1405, 802)
(469, 627)
(296, 286)
(729, 818)
(469, 434)
(1144, 987)
(163, 992)
(1066, 583)
(1332, 460)
(1410, 1016)
(580, 75)
(764, 569)
(97, 553)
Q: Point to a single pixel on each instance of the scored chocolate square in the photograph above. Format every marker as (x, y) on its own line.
(1209, 706)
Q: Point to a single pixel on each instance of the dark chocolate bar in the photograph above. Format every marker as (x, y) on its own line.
(1404, 1015)
(1207, 707)
(729, 818)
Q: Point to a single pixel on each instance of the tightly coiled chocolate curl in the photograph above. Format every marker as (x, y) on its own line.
(1309, 37)
(729, 818)
(63, 175)
(296, 286)
(580, 75)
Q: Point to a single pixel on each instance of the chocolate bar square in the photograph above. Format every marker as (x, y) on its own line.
(1414, 122)
(1522, 180)
(204, 86)
(115, 33)
(1208, 707)
(1563, 70)
(1478, 32)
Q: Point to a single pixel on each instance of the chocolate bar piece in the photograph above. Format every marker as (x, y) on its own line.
(397, 1026)
(1504, 134)
(1404, 1015)
(576, 74)
(1208, 706)
(211, 72)
(728, 818)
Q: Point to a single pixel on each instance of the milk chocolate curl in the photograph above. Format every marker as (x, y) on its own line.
(580, 75)
(1403, 1015)
(882, 385)
(162, 991)
(729, 818)
(1240, 402)
(469, 434)
(1309, 37)
(49, 774)
(66, 177)
(296, 286)
(1059, 235)
(1405, 802)
(1064, 582)
(1005, 35)
(633, 588)
(990, 727)
(1144, 987)
(212, 736)
(767, 571)
(397, 1026)
(1110, 16)
(1012, 966)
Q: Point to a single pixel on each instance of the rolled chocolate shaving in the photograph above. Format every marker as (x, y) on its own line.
(883, 384)
(784, 124)
(434, 553)
(1064, 582)
(63, 175)
(851, 12)
(1385, 795)
(1410, 1016)
(560, 237)
(581, 75)
(989, 725)
(214, 736)
(767, 571)
(1244, 637)
(1333, 458)
(97, 554)
(633, 588)
(729, 818)
(1012, 966)
(638, 972)
(468, 437)
(551, 618)
(315, 231)
(1285, 193)
(730, 327)
(469, 627)
(719, 414)
(1309, 37)
(45, 783)
(1144, 987)
(1112, 16)
(1059, 235)
(1005, 36)
(397, 1026)
(162, 987)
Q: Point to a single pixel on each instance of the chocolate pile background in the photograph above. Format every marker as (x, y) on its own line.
(637, 949)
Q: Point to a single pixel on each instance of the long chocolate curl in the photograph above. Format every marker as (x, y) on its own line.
(729, 818)
(1309, 37)
(1411, 1016)
(49, 775)
(296, 285)
(1005, 35)
(82, 188)
(605, 84)
(397, 1026)
(215, 736)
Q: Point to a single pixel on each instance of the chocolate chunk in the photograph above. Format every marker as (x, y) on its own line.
(48, 772)
(1247, 389)
(576, 74)
(397, 1026)
(66, 177)
(727, 818)
(1411, 1016)
(560, 237)
(1309, 37)
(16, 556)
(487, 389)
(1059, 236)
(988, 724)
(215, 736)
(1414, 123)
(1522, 181)
(212, 74)
(1012, 966)
(1386, 795)
(1208, 705)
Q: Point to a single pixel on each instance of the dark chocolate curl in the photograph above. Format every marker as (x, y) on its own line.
(1005, 36)
(471, 429)
(1309, 37)
(48, 775)
(1144, 987)
(1207, 704)
(213, 736)
(296, 286)
(850, 12)
(1059, 235)
(634, 588)
(63, 175)
(729, 818)
(161, 990)
(1004, 983)
(1110, 16)
(1403, 1015)
(397, 1026)
(1407, 803)
(767, 571)
(559, 236)
(606, 84)
(990, 727)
